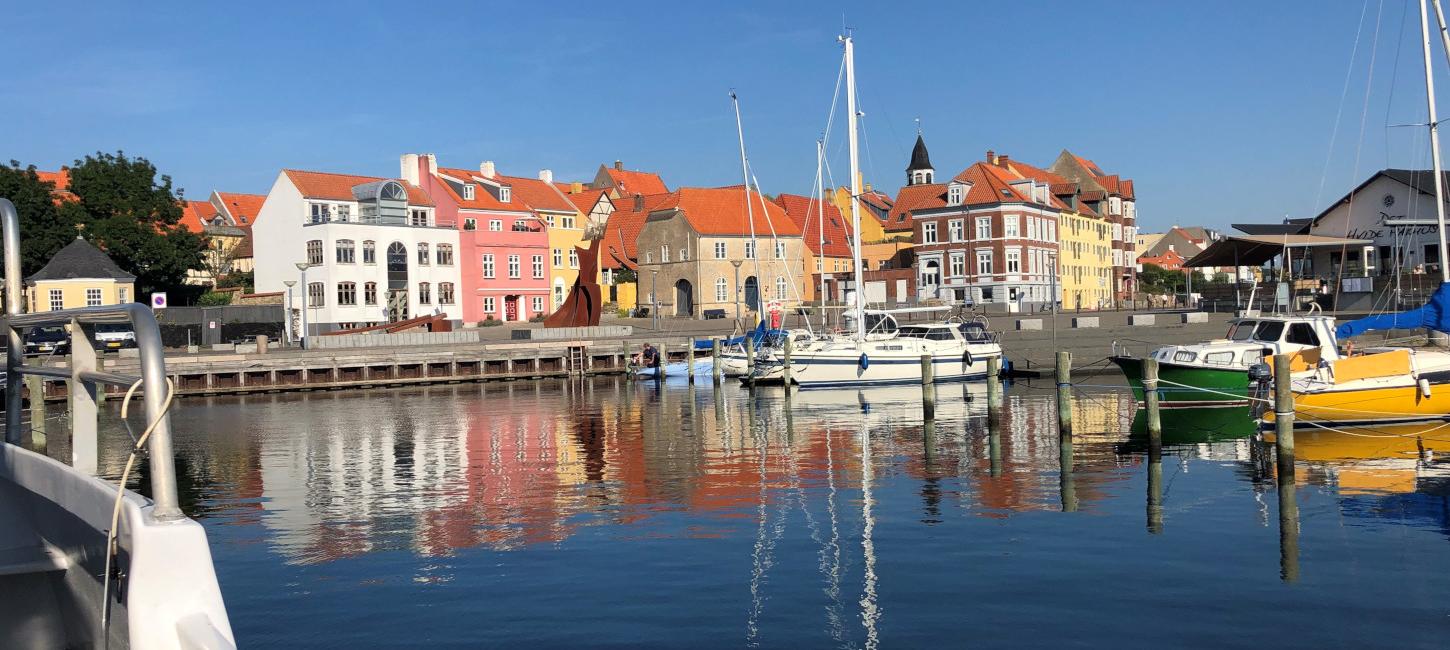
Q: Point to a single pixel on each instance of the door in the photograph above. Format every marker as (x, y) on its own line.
(511, 308)
(397, 259)
(752, 294)
(684, 298)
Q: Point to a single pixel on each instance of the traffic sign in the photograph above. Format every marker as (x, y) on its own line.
(158, 300)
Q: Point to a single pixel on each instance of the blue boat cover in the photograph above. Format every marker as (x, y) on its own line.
(760, 334)
(1434, 315)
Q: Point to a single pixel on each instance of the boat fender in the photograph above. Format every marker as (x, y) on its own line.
(864, 361)
(967, 357)
(1424, 386)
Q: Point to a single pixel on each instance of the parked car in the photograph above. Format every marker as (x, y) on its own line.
(114, 336)
(47, 340)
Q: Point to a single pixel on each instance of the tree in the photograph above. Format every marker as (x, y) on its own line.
(1156, 279)
(135, 218)
(43, 230)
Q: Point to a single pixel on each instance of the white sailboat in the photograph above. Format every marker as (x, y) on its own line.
(881, 353)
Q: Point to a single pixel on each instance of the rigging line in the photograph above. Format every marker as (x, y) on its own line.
(1394, 76)
(749, 211)
(1343, 95)
(1358, 148)
(776, 243)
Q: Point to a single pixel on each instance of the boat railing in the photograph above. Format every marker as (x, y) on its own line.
(84, 376)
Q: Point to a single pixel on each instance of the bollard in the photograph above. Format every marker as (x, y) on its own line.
(1284, 417)
(261, 344)
(926, 378)
(690, 361)
(36, 385)
(749, 360)
(994, 383)
(785, 364)
(664, 357)
(715, 369)
(1150, 398)
(928, 389)
(1064, 394)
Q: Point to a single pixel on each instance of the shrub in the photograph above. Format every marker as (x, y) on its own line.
(536, 318)
(214, 299)
(490, 322)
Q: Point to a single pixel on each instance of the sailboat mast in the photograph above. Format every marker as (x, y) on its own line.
(1434, 142)
(855, 187)
(821, 229)
(749, 211)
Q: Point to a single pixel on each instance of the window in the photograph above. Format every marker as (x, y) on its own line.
(495, 225)
(1009, 226)
(425, 293)
(1185, 356)
(1269, 331)
(505, 194)
(468, 191)
(445, 254)
(314, 295)
(345, 251)
(664, 253)
(719, 250)
(93, 297)
(958, 266)
(538, 266)
(538, 303)
(121, 296)
(649, 257)
(566, 221)
(928, 232)
(488, 265)
(314, 252)
(370, 293)
(346, 293)
(984, 227)
(956, 229)
(370, 252)
(558, 258)
(1014, 261)
(750, 250)
(1219, 358)
(423, 254)
(573, 258)
(820, 265)
(513, 266)
(344, 213)
(57, 300)
(954, 194)
(1302, 334)
(1242, 331)
(488, 306)
(417, 217)
(1032, 227)
(984, 262)
(722, 290)
(445, 293)
(780, 250)
(321, 213)
(780, 289)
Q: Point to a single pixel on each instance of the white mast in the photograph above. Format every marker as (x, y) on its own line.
(749, 211)
(855, 187)
(821, 229)
(1434, 141)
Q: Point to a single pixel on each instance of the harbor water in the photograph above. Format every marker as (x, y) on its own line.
(606, 513)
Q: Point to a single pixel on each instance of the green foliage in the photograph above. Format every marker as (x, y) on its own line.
(243, 279)
(1156, 279)
(490, 322)
(625, 276)
(43, 232)
(537, 318)
(214, 299)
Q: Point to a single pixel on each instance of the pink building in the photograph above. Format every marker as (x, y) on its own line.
(503, 246)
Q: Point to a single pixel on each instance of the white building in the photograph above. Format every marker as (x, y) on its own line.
(1394, 208)
(376, 250)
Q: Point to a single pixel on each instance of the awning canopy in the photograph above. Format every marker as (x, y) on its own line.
(1253, 250)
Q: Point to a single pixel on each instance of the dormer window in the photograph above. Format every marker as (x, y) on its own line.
(505, 193)
(468, 191)
(955, 193)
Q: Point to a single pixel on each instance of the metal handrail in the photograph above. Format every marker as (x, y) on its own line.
(148, 343)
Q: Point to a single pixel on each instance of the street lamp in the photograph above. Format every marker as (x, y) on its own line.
(736, 264)
(287, 309)
(306, 298)
(654, 296)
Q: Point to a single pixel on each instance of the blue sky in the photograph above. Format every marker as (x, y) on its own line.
(1222, 112)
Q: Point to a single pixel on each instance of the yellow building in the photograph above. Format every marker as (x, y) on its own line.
(79, 275)
(565, 225)
(1084, 260)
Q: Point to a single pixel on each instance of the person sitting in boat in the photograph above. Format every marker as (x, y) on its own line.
(648, 357)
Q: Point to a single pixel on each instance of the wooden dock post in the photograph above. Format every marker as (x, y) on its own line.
(1150, 398)
(785, 367)
(36, 385)
(1067, 485)
(1155, 484)
(1284, 417)
(715, 369)
(994, 447)
(994, 389)
(690, 360)
(1064, 393)
(749, 360)
(1288, 531)
(664, 357)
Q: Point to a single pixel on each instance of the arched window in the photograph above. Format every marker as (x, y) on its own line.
(722, 290)
(423, 254)
(780, 288)
(397, 266)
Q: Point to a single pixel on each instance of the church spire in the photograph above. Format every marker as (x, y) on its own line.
(920, 170)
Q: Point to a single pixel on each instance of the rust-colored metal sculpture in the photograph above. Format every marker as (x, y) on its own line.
(585, 300)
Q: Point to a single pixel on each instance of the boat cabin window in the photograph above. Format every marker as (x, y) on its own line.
(974, 332)
(1219, 358)
(1269, 331)
(875, 323)
(1252, 357)
(1242, 330)
(928, 333)
(1185, 356)
(1302, 334)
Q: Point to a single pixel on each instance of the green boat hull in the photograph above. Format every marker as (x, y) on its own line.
(1187, 386)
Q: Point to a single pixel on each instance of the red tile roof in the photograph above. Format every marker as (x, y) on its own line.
(805, 212)
(338, 187)
(637, 182)
(482, 198)
(585, 201)
(723, 211)
(197, 215)
(877, 198)
(242, 208)
(621, 232)
(61, 181)
(989, 184)
(1033, 172)
(537, 194)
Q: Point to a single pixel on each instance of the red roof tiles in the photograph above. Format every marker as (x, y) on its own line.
(537, 194)
(621, 232)
(197, 215)
(636, 182)
(586, 200)
(338, 187)
(242, 208)
(482, 198)
(723, 211)
(806, 213)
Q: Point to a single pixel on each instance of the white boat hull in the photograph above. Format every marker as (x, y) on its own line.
(896, 361)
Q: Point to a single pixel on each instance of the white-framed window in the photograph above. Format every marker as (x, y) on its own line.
(370, 293)
(664, 253)
(1052, 231)
(566, 221)
(468, 191)
(489, 306)
(956, 230)
(820, 264)
(1014, 260)
(722, 290)
(122, 297)
(488, 265)
(549, 220)
(495, 225)
(314, 252)
(958, 266)
(649, 257)
(538, 304)
(425, 293)
(344, 213)
(1032, 227)
(558, 258)
(505, 194)
(685, 251)
(422, 254)
(780, 250)
(370, 252)
(57, 300)
(984, 262)
(346, 293)
(321, 213)
(346, 253)
(954, 194)
(1009, 226)
(445, 293)
(780, 288)
(750, 250)
(984, 227)
(417, 217)
(538, 266)
(445, 254)
(93, 297)
(719, 250)
(315, 295)
(573, 258)
(514, 266)
(928, 232)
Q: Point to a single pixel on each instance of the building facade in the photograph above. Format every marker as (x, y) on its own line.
(79, 275)
(1115, 199)
(374, 249)
(826, 240)
(1394, 209)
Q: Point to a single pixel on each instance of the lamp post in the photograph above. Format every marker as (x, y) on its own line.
(654, 297)
(287, 310)
(306, 298)
(738, 289)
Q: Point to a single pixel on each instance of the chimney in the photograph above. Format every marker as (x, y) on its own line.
(991, 157)
(1002, 160)
(546, 175)
(485, 169)
(576, 187)
(408, 168)
(866, 187)
(619, 164)
(432, 164)
(638, 202)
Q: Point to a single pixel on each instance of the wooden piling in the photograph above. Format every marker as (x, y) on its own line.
(926, 369)
(716, 372)
(1288, 531)
(1064, 393)
(690, 361)
(1066, 483)
(1150, 398)
(749, 359)
(785, 367)
(994, 447)
(928, 389)
(994, 383)
(1284, 417)
(36, 386)
(664, 357)
(1155, 484)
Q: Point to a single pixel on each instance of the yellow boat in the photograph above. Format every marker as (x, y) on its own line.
(1396, 385)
